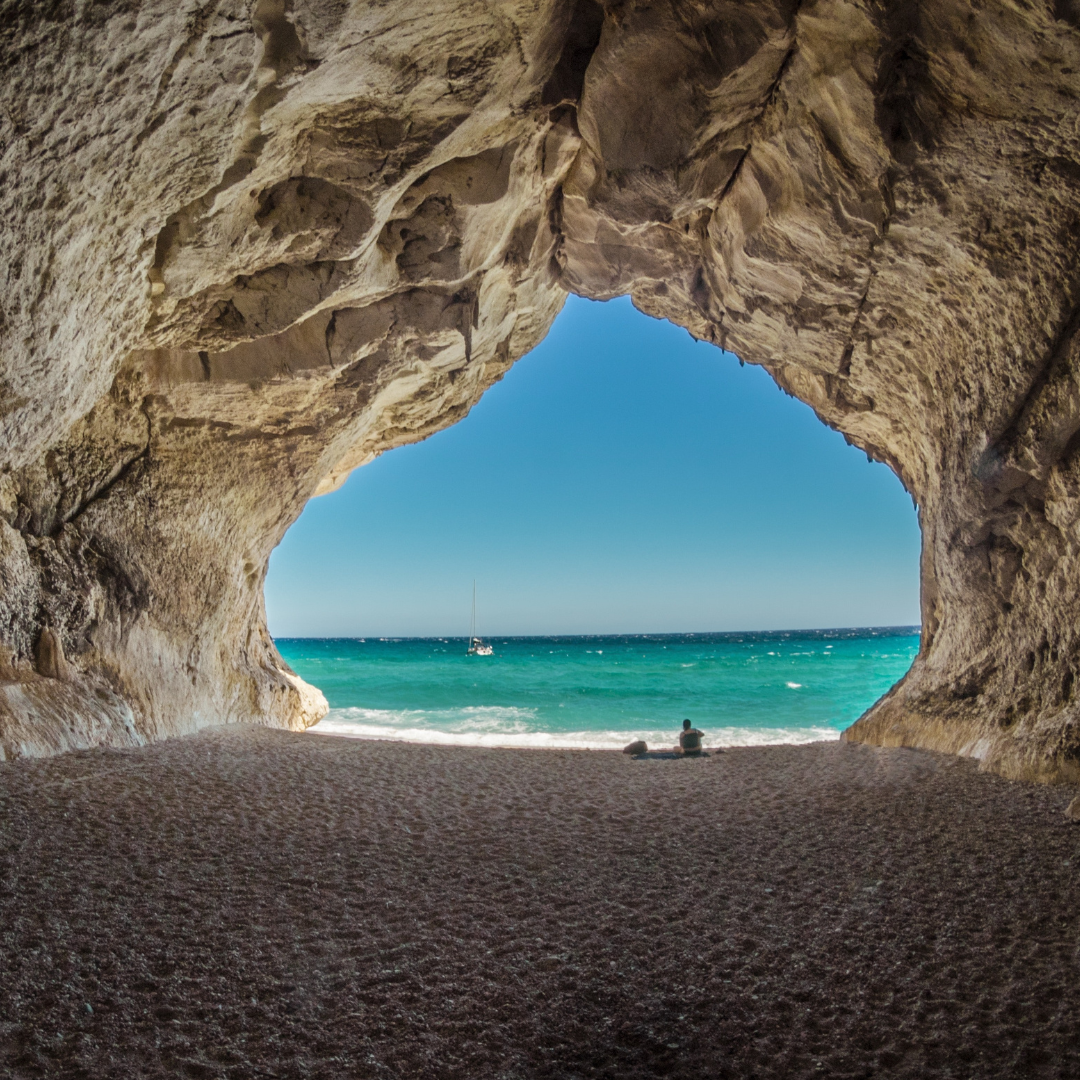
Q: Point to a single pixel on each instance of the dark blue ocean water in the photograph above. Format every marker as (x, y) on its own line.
(740, 689)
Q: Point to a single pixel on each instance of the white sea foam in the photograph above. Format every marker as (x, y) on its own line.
(508, 727)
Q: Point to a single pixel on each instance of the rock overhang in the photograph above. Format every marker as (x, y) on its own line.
(256, 246)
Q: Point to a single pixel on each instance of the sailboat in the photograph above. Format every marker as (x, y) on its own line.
(477, 647)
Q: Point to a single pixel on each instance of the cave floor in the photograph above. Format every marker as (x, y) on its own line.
(255, 903)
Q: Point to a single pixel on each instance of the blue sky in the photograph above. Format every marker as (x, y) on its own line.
(621, 478)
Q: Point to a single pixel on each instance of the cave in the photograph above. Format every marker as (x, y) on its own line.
(250, 247)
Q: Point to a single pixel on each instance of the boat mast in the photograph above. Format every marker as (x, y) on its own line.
(473, 637)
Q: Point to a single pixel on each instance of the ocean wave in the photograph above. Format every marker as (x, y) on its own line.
(504, 727)
(474, 719)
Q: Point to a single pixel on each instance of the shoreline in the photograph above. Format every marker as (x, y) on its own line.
(549, 740)
(248, 902)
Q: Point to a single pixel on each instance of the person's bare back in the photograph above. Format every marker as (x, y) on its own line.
(690, 739)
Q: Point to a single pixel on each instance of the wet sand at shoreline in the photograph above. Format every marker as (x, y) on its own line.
(255, 903)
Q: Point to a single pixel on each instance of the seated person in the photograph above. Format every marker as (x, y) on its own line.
(690, 740)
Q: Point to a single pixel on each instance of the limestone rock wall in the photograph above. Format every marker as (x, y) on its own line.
(249, 246)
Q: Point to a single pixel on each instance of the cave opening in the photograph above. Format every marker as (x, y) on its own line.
(624, 492)
(319, 249)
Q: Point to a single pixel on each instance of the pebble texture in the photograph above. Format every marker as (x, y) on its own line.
(249, 246)
(265, 904)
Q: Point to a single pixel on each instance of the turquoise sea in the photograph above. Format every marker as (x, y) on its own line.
(741, 689)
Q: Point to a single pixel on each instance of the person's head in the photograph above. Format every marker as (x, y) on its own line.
(686, 725)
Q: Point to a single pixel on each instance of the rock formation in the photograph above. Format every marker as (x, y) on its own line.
(249, 246)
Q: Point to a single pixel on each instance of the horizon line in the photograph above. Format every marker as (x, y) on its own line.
(913, 627)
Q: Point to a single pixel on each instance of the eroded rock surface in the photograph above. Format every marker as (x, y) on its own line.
(247, 247)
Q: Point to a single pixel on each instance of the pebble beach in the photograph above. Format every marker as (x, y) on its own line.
(252, 903)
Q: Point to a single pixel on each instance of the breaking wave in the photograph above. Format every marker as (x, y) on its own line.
(494, 726)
